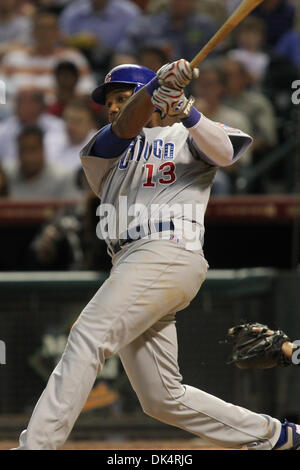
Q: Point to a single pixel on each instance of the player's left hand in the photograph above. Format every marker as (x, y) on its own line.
(177, 75)
(172, 102)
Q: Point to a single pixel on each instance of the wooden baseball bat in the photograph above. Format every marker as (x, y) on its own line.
(237, 16)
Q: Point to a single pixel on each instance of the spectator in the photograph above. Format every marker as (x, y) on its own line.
(143, 4)
(120, 59)
(252, 103)
(55, 5)
(80, 125)
(209, 91)
(216, 8)
(231, 5)
(98, 26)
(279, 17)
(289, 46)
(69, 241)
(66, 80)
(29, 110)
(35, 64)
(153, 56)
(33, 178)
(14, 28)
(250, 41)
(105, 20)
(156, 5)
(4, 190)
(180, 25)
(280, 75)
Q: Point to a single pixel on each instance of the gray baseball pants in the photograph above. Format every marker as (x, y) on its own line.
(133, 314)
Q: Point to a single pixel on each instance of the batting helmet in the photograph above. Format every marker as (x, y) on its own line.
(127, 74)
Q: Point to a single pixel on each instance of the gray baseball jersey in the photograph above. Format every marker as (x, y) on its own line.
(162, 175)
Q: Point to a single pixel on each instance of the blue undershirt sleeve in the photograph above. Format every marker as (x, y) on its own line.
(108, 145)
(192, 119)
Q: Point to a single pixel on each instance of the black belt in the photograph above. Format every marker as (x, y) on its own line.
(127, 238)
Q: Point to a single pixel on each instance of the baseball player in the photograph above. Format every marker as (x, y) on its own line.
(154, 183)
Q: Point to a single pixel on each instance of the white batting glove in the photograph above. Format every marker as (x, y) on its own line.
(172, 102)
(177, 75)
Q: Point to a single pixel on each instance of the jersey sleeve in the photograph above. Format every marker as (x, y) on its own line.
(240, 142)
(239, 139)
(95, 168)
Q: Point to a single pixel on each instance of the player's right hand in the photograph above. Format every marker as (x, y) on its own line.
(177, 75)
(172, 102)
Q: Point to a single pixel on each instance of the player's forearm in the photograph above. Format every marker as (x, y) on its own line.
(134, 115)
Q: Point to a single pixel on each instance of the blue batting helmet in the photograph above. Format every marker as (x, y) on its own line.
(127, 74)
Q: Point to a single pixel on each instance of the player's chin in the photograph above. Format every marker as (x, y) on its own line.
(111, 118)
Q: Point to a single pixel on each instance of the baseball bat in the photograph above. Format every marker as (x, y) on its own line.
(237, 16)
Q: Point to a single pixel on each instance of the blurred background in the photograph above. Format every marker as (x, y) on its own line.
(53, 53)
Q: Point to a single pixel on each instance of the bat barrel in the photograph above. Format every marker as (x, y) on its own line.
(237, 16)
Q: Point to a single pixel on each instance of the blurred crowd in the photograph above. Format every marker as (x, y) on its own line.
(53, 53)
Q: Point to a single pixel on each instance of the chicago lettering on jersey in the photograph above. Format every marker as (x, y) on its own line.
(142, 149)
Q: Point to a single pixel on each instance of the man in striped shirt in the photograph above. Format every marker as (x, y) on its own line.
(35, 65)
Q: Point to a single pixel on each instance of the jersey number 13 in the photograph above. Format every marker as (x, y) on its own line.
(167, 174)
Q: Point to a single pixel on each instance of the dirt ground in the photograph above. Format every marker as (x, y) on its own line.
(193, 444)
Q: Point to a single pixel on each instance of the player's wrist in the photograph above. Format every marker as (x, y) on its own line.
(152, 86)
(192, 119)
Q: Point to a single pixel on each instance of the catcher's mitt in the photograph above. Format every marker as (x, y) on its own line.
(256, 346)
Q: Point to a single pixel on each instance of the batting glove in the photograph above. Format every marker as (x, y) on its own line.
(172, 102)
(177, 75)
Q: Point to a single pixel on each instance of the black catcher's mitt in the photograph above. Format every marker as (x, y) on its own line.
(260, 349)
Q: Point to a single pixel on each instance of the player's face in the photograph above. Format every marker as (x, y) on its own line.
(115, 100)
